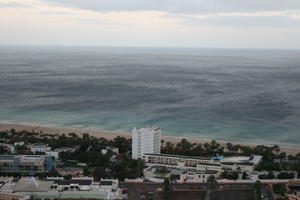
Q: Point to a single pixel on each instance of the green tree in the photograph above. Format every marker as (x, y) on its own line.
(286, 175)
(162, 171)
(229, 146)
(167, 189)
(258, 187)
(162, 143)
(245, 175)
(214, 145)
(123, 144)
(184, 147)
(230, 175)
(270, 175)
(212, 181)
(279, 189)
(86, 172)
(98, 173)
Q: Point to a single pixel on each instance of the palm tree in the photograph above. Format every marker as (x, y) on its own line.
(167, 189)
(168, 147)
(257, 186)
(162, 171)
(229, 146)
(207, 147)
(212, 181)
(275, 148)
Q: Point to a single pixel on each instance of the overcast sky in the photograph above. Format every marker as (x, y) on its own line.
(162, 23)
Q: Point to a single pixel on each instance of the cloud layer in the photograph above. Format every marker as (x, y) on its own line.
(214, 11)
(242, 21)
(13, 5)
(182, 23)
(182, 6)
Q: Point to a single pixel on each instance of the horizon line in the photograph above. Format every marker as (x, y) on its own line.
(144, 46)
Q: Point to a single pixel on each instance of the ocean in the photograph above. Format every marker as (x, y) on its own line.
(249, 96)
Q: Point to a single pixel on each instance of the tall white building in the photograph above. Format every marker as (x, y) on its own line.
(145, 140)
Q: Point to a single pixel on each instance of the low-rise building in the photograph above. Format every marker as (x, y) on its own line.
(74, 184)
(241, 163)
(294, 186)
(109, 184)
(115, 150)
(198, 176)
(19, 143)
(235, 163)
(111, 187)
(11, 196)
(54, 154)
(177, 160)
(63, 149)
(247, 167)
(6, 184)
(209, 166)
(9, 147)
(60, 188)
(26, 163)
(30, 184)
(158, 173)
(69, 171)
(37, 189)
(39, 148)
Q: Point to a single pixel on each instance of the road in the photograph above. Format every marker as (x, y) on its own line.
(153, 191)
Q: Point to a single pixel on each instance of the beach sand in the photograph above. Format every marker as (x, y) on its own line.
(112, 134)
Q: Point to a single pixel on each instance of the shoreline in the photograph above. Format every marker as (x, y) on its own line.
(4, 126)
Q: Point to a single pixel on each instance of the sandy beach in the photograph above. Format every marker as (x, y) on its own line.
(112, 134)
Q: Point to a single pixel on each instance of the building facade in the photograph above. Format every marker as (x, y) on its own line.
(26, 163)
(10, 196)
(145, 140)
(177, 160)
(8, 147)
(209, 166)
(233, 163)
(198, 177)
(39, 148)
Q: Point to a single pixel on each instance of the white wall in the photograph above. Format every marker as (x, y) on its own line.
(145, 140)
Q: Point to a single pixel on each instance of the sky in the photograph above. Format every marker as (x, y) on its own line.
(153, 23)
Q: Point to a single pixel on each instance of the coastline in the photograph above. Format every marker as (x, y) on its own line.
(112, 134)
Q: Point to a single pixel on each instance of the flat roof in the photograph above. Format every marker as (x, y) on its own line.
(209, 164)
(155, 128)
(32, 185)
(238, 163)
(106, 183)
(7, 156)
(68, 194)
(179, 156)
(202, 172)
(72, 181)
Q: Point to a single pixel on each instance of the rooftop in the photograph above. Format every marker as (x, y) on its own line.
(202, 172)
(39, 145)
(32, 185)
(238, 163)
(210, 164)
(155, 128)
(71, 181)
(69, 195)
(106, 183)
(179, 156)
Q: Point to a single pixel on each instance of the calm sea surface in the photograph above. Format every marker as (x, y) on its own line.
(251, 96)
